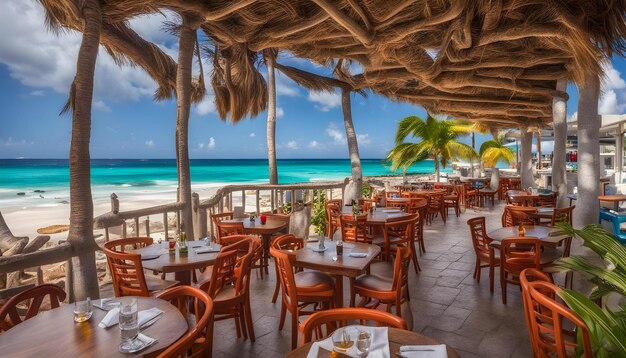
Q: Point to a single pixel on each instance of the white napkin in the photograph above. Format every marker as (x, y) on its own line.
(391, 210)
(379, 348)
(207, 250)
(112, 317)
(358, 254)
(106, 304)
(424, 351)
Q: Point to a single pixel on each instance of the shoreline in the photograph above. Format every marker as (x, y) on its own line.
(25, 214)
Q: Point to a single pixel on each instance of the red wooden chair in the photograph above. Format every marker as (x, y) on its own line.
(333, 213)
(484, 252)
(10, 315)
(198, 341)
(420, 206)
(354, 228)
(286, 242)
(517, 254)
(341, 317)
(228, 229)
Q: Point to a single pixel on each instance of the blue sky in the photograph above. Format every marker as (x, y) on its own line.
(36, 68)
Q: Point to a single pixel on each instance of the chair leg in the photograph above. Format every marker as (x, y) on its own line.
(352, 292)
(416, 265)
(283, 313)
(294, 331)
(476, 268)
(249, 321)
(503, 285)
(491, 277)
(277, 289)
(242, 321)
(238, 327)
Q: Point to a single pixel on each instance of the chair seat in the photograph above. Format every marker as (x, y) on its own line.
(316, 279)
(204, 276)
(488, 192)
(378, 239)
(156, 284)
(450, 197)
(373, 282)
(382, 269)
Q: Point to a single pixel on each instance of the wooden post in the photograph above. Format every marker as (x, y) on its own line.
(147, 222)
(243, 200)
(124, 230)
(136, 231)
(165, 225)
(106, 234)
(258, 201)
(272, 198)
(195, 211)
(115, 204)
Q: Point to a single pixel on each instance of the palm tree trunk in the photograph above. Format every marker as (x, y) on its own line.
(271, 119)
(539, 150)
(437, 170)
(404, 179)
(83, 270)
(559, 118)
(186, 43)
(353, 147)
(472, 159)
(526, 170)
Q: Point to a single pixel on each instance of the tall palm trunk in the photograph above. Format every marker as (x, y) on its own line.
(472, 159)
(539, 150)
(437, 170)
(83, 270)
(271, 119)
(186, 42)
(353, 147)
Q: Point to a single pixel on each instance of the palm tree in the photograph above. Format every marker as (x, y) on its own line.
(438, 141)
(494, 151)
(353, 147)
(270, 57)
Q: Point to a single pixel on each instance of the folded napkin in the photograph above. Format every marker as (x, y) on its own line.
(358, 254)
(391, 210)
(379, 348)
(206, 250)
(425, 351)
(112, 317)
(106, 304)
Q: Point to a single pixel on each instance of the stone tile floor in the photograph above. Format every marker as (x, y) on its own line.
(446, 301)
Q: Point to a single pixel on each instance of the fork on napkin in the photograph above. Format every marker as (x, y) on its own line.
(206, 250)
(424, 351)
(143, 317)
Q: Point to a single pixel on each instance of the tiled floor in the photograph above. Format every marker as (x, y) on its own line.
(446, 301)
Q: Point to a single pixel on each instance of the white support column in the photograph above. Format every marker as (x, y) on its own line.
(587, 205)
(526, 170)
(559, 118)
(619, 154)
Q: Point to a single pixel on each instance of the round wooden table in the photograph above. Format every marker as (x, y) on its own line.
(55, 334)
(397, 337)
(180, 264)
(615, 199)
(379, 216)
(549, 243)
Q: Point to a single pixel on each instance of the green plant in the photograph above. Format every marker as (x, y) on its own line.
(318, 212)
(493, 151)
(366, 190)
(287, 208)
(437, 141)
(607, 328)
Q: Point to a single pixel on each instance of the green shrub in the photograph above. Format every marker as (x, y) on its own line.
(318, 212)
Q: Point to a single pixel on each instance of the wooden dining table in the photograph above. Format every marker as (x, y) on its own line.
(397, 337)
(265, 231)
(180, 264)
(338, 266)
(380, 215)
(549, 241)
(615, 199)
(55, 334)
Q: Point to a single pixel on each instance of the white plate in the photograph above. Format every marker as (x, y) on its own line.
(317, 249)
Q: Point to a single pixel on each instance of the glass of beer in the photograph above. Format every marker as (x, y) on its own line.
(82, 310)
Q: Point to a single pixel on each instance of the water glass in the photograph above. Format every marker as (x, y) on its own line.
(82, 310)
(342, 341)
(129, 326)
(363, 343)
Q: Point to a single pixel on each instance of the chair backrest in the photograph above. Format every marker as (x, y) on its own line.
(478, 230)
(32, 298)
(241, 243)
(403, 230)
(366, 204)
(436, 200)
(284, 266)
(198, 341)
(547, 200)
(519, 253)
(228, 229)
(223, 272)
(333, 210)
(288, 242)
(526, 276)
(515, 184)
(563, 215)
(512, 215)
(401, 264)
(404, 205)
(547, 320)
(126, 268)
(340, 317)
(419, 206)
(354, 228)
(130, 243)
(392, 194)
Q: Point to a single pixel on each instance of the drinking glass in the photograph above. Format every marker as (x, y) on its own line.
(82, 310)
(129, 326)
(363, 343)
(342, 341)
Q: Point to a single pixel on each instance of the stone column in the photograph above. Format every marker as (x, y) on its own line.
(587, 205)
(526, 170)
(559, 120)
(619, 153)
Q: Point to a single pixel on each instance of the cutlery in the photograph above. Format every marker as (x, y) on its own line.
(150, 322)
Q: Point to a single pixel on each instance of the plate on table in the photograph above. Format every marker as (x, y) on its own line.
(317, 249)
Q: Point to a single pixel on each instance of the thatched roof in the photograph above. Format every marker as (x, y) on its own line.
(490, 60)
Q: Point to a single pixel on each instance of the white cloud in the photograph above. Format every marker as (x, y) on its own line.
(211, 143)
(337, 135)
(285, 86)
(325, 101)
(613, 87)
(292, 144)
(280, 112)
(252, 135)
(206, 106)
(10, 142)
(149, 143)
(37, 93)
(363, 139)
(314, 144)
(99, 104)
(573, 117)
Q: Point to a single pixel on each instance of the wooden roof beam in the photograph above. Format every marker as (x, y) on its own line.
(345, 21)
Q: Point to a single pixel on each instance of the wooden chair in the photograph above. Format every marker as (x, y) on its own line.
(503, 187)
(127, 271)
(333, 213)
(402, 205)
(470, 195)
(217, 218)
(198, 341)
(354, 228)
(288, 243)
(548, 319)
(256, 262)
(453, 200)
(366, 204)
(547, 200)
(436, 207)
(488, 193)
(515, 184)
(229, 286)
(300, 291)
(562, 214)
(397, 233)
(392, 194)
(10, 315)
(376, 289)
(512, 215)
(484, 252)
(420, 206)
(341, 317)
(228, 229)
(526, 276)
(517, 254)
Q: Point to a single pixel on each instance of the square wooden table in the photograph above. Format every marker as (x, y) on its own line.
(338, 266)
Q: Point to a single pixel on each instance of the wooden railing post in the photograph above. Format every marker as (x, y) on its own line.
(115, 204)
